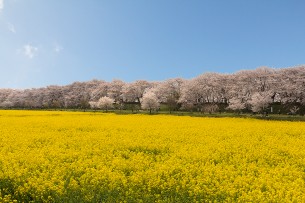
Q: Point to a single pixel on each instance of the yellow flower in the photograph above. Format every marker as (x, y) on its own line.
(92, 157)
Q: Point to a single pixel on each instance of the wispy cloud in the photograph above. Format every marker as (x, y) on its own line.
(29, 51)
(57, 48)
(1, 5)
(11, 27)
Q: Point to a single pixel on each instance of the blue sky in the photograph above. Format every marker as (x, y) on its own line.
(59, 42)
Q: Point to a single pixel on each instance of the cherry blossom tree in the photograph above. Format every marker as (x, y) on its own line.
(150, 101)
(236, 104)
(260, 101)
(133, 92)
(105, 103)
(169, 92)
(93, 105)
(245, 89)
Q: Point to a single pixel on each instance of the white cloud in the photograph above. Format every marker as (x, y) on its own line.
(58, 48)
(11, 27)
(1, 5)
(29, 51)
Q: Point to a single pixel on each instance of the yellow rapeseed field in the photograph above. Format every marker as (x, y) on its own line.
(94, 157)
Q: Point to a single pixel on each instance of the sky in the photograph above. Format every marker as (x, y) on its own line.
(57, 42)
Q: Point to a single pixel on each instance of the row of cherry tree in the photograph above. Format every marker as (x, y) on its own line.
(246, 90)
